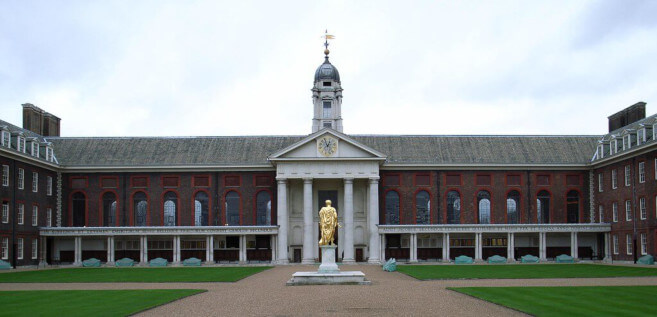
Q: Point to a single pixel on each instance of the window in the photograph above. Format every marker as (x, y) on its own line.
(49, 217)
(642, 172)
(233, 208)
(642, 208)
(483, 204)
(572, 207)
(615, 238)
(422, 208)
(21, 214)
(5, 248)
(49, 185)
(628, 210)
(601, 214)
(326, 113)
(614, 179)
(109, 209)
(19, 250)
(614, 148)
(170, 211)
(35, 182)
(140, 209)
(628, 243)
(5, 175)
(21, 178)
(35, 249)
(627, 175)
(20, 144)
(655, 169)
(640, 136)
(5, 212)
(392, 208)
(327, 124)
(626, 142)
(600, 152)
(49, 154)
(201, 207)
(600, 179)
(614, 212)
(644, 244)
(543, 207)
(263, 208)
(453, 207)
(79, 205)
(326, 84)
(35, 216)
(6, 139)
(35, 149)
(512, 203)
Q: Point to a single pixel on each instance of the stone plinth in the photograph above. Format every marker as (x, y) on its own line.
(328, 260)
(328, 273)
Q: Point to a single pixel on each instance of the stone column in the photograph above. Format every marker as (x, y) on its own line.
(282, 222)
(110, 251)
(242, 253)
(209, 249)
(382, 250)
(307, 257)
(573, 245)
(78, 251)
(413, 251)
(478, 246)
(446, 247)
(43, 251)
(348, 217)
(143, 250)
(542, 246)
(510, 244)
(273, 244)
(374, 221)
(607, 247)
(176, 250)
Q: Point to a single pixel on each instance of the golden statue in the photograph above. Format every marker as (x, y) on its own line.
(328, 221)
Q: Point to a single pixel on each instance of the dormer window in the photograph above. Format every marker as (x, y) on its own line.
(6, 138)
(627, 142)
(640, 136)
(326, 110)
(326, 84)
(654, 131)
(49, 154)
(35, 148)
(20, 144)
(615, 146)
(601, 151)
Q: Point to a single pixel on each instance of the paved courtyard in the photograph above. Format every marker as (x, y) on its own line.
(391, 294)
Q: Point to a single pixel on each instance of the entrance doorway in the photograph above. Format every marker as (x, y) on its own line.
(322, 196)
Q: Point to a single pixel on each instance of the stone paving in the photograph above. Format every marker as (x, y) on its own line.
(391, 294)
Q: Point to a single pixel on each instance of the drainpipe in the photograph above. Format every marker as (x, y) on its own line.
(634, 218)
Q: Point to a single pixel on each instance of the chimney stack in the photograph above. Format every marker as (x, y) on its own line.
(39, 121)
(627, 116)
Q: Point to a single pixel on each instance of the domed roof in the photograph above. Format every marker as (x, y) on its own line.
(327, 71)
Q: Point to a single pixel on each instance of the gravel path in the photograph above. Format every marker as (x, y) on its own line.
(391, 294)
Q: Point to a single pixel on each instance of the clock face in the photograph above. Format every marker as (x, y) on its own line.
(327, 146)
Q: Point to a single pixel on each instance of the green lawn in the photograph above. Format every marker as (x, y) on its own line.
(145, 275)
(86, 302)
(449, 272)
(572, 301)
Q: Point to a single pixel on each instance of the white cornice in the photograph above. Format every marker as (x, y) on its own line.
(157, 231)
(496, 228)
(26, 158)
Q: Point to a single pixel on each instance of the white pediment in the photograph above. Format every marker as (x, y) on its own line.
(327, 144)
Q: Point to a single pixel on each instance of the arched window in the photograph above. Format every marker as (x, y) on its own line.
(543, 207)
(392, 208)
(233, 208)
(201, 207)
(79, 209)
(170, 204)
(483, 202)
(572, 206)
(453, 207)
(109, 209)
(422, 208)
(512, 204)
(263, 208)
(140, 207)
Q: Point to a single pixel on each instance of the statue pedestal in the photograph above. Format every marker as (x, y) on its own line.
(328, 273)
(328, 260)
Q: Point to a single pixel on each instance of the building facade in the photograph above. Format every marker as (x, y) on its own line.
(255, 199)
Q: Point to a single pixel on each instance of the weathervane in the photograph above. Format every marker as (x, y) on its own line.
(327, 37)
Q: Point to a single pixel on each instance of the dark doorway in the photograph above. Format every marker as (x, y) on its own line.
(322, 196)
(79, 209)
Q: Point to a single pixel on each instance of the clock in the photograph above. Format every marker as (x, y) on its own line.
(327, 145)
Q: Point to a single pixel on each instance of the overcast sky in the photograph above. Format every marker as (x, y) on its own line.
(142, 68)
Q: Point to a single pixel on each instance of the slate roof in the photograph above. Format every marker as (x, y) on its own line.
(254, 150)
(26, 133)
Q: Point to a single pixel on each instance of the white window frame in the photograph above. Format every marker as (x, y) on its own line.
(20, 144)
(600, 182)
(5, 212)
(35, 215)
(21, 214)
(35, 249)
(644, 244)
(614, 211)
(21, 178)
(601, 213)
(49, 217)
(601, 151)
(615, 147)
(5, 248)
(35, 149)
(655, 169)
(628, 244)
(5, 175)
(50, 157)
(642, 172)
(642, 208)
(6, 139)
(20, 249)
(640, 136)
(628, 210)
(628, 175)
(615, 243)
(49, 185)
(35, 182)
(627, 142)
(614, 179)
